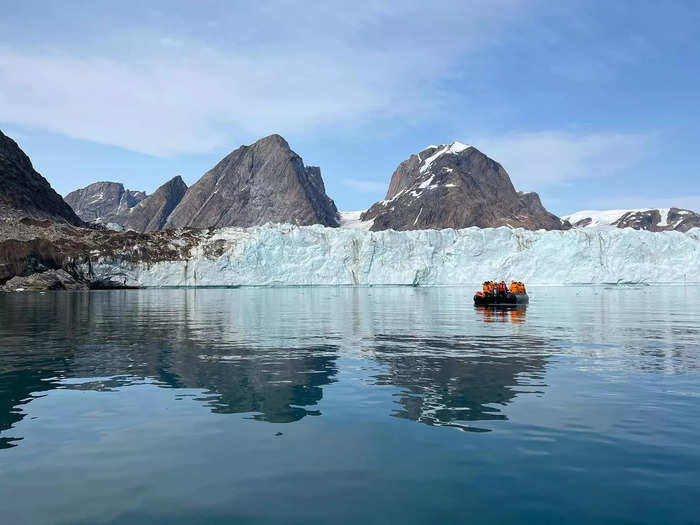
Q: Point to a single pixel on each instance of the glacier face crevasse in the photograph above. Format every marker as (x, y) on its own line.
(315, 255)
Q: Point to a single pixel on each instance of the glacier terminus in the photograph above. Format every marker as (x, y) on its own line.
(283, 255)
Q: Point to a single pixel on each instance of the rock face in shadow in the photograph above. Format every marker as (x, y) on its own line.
(101, 202)
(25, 193)
(152, 213)
(256, 184)
(456, 186)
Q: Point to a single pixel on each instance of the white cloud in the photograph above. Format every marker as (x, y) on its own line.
(272, 67)
(551, 157)
(690, 202)
(366, 186)
(182, 105)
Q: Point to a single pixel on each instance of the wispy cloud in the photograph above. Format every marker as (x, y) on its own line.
(690, 202)
(278, 69)
(551, 157)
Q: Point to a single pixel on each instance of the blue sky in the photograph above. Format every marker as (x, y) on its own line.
(594, 105)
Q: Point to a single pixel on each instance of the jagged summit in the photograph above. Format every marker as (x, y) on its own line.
(263, 182)
(423, 162)
(255, 184)
(444, 186)
(444, 149)
(101, 202)
(152, 213)
(456, 186)
(25, 193)
(273, 138)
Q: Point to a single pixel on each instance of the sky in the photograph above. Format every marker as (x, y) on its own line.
(593, 104)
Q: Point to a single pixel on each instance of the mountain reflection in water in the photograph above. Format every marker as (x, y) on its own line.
(448, 381)
(267, 352)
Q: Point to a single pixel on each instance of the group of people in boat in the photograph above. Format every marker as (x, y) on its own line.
(494, 288)
(499, 293)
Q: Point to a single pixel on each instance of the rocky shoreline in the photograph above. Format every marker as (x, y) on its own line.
(46, 255)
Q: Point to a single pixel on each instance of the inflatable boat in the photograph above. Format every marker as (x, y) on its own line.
(496, 299)
(497, 294)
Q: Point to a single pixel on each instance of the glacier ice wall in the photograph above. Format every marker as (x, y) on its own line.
(315, 255)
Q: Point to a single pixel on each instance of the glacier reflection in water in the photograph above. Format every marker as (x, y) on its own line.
(249, 395)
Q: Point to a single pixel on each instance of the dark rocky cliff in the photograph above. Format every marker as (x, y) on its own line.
(101, 202)
(256, 184)
(152, 213)
(456, 186)
(25, 193)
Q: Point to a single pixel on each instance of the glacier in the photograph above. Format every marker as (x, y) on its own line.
(286, 255)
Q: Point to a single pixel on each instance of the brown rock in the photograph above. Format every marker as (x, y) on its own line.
(101, 202)
(676, 219)
(25, 193)
(256, 184)
(456, 186)
(152, 213)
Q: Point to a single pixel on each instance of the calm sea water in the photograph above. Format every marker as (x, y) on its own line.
(330, 405)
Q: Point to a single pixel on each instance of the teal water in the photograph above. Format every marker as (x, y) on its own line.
(336, 405)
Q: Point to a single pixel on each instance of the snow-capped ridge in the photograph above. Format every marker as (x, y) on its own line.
(453, 148)
(654, 219)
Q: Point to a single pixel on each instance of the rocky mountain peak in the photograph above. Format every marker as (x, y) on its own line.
(151, 213)
(101, 202)
(263, 182)
(272, 140)
(456, 186)
(25, 193)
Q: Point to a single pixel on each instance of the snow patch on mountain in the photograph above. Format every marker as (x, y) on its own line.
(426, 182)
(454, 148)
(664, 216)
(598, 217)
(352, 220)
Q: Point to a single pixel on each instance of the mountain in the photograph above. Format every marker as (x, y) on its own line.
(100, 202)
(25, 193)
(456, 186)
(256, 184)
(651, 219)
(151, 213)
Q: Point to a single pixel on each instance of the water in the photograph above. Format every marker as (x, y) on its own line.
(375, 405)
